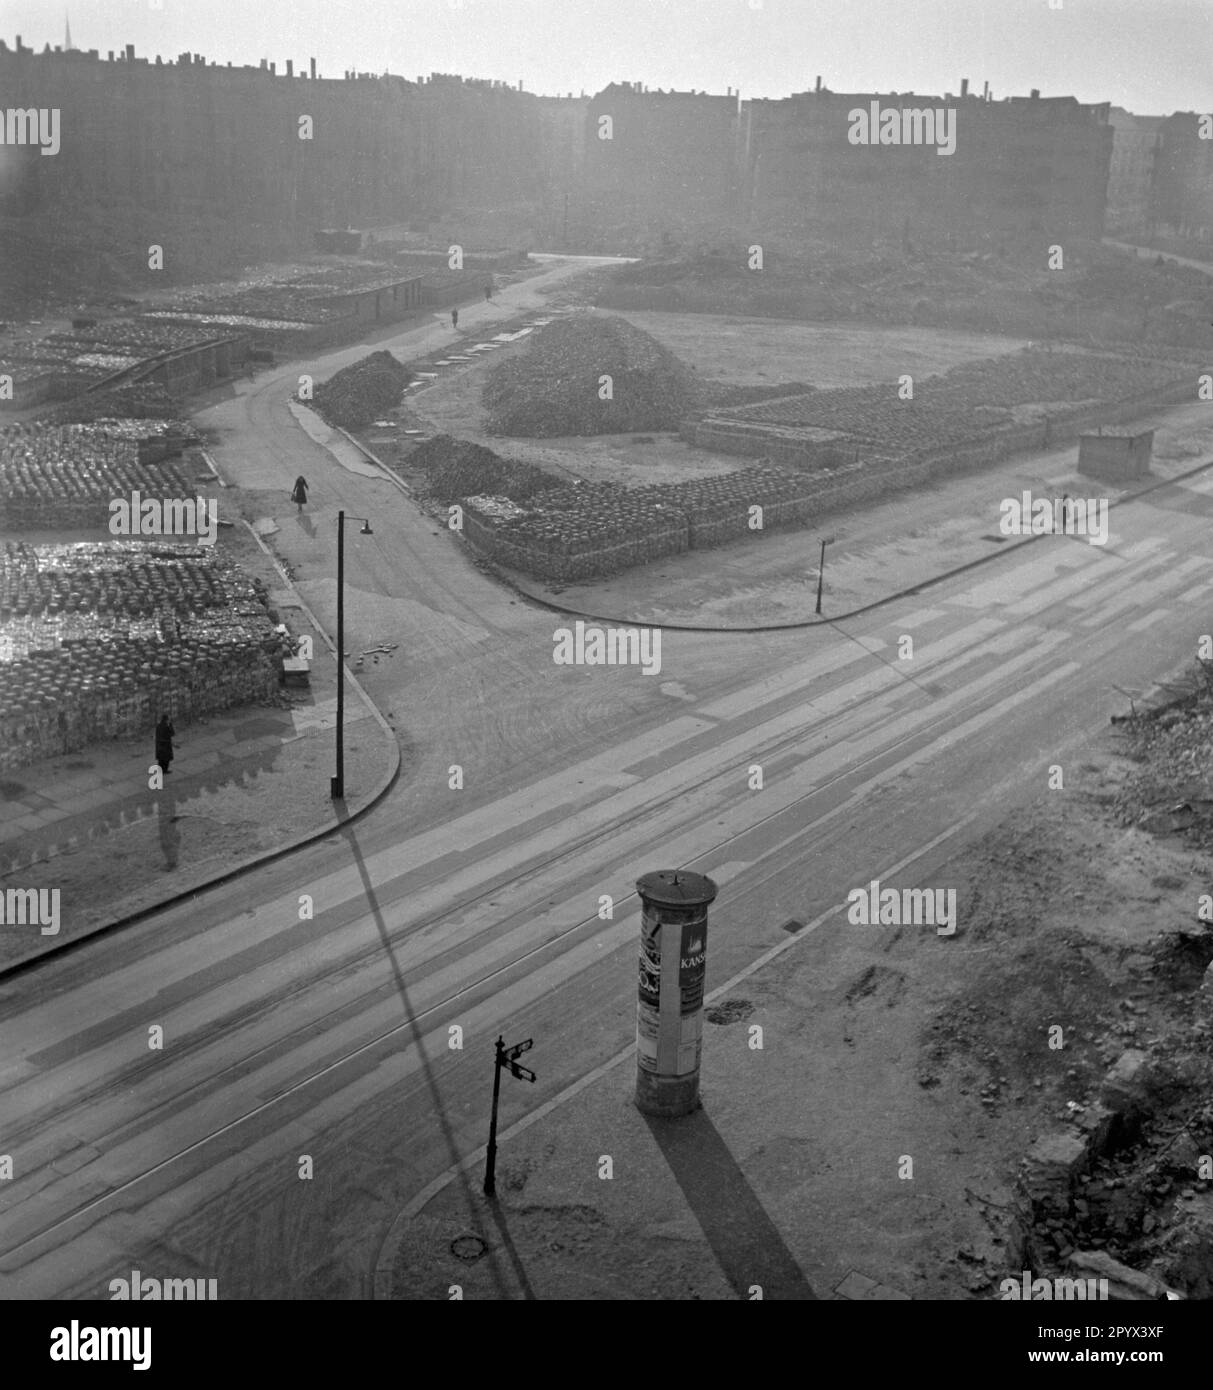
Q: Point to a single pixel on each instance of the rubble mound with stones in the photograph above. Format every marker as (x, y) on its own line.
(363, 391)
(556, 387)
(457, 468)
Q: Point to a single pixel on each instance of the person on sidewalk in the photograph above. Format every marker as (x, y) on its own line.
(299, 495)
(455, 319)
(165, 734)
(488, 293)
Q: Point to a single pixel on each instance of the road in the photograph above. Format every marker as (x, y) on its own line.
(480, 909)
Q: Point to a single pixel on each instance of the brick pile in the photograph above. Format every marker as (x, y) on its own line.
(96, 641)
(593, 530)
(63, 477)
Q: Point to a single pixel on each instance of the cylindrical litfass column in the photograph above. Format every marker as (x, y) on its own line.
(669, 1010)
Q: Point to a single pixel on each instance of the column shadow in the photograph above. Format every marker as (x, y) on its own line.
(746, 1242)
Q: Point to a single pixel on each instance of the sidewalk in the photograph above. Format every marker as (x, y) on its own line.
(245, 785)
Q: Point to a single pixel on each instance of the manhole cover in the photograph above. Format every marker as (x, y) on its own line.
(729, 1011)
(793, 925)
(468, 1248)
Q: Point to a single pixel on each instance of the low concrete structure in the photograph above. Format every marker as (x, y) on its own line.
(1115, 456)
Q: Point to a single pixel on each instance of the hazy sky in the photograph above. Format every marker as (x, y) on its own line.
(1152, 56)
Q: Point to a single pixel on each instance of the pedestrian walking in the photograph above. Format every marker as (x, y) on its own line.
(165, 734)
(488, 292)
(299, 494)
(455, 318)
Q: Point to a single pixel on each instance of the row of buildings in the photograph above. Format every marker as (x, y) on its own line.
(292, 150)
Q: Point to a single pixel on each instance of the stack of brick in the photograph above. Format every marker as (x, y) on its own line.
(97, 640)
(63, 477)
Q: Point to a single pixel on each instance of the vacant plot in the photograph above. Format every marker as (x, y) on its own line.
(755, 351)
(739, 351)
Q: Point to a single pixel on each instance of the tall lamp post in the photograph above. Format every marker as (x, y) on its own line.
(821, 566)
(337, 783)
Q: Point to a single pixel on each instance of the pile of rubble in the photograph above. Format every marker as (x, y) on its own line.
(454, 469)
(588, 374)
(1172, 743)
(363, 391)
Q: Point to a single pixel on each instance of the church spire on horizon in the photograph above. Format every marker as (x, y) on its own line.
(67, 34)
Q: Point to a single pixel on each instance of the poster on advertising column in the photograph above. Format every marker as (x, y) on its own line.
(648, 1009)
(692, 968)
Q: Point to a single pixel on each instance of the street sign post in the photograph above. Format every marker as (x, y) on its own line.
(503, 1057)
(829, 540)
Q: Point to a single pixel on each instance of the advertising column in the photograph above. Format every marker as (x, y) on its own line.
(669, 1010)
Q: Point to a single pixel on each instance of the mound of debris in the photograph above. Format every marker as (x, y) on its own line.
(362, 392)
(557, 387)
(456, 468)
(1172, 744)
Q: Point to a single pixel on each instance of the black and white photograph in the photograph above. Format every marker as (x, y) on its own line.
(606, 665)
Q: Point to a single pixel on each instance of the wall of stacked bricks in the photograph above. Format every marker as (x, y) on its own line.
(716, 511)
(194, 688)
(64, 477)
(100, 639)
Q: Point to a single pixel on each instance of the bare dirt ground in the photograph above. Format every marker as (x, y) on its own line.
(762, 352)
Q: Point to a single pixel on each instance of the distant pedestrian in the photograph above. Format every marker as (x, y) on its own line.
(165, 734)
(455, 318)
(299, 495)
(488, 292)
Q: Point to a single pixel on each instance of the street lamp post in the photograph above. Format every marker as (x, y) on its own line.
(821, 565)
(337, 783)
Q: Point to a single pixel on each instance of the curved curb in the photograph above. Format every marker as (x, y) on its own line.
(253, 861)
(381, 1274)
(553, 607)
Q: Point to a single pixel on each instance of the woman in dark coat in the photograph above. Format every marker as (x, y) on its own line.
(299, 495)
(164, 742)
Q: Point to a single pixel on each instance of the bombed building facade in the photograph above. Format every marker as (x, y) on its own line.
(177, 153)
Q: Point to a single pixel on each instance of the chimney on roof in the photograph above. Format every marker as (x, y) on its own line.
(985, 92)
(312, 61)
(1035, 93)
(130, 53)
(274, 67)
(290, 67)
(818, 87)
(964, 87)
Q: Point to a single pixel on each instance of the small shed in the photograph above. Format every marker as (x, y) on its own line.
(1115, 455)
